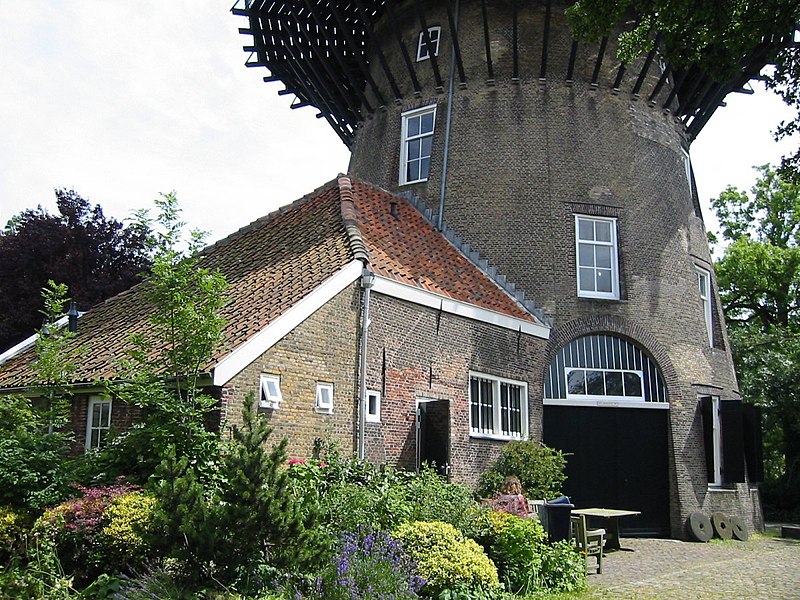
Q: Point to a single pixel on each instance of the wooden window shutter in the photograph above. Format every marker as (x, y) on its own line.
(706, 408)
(753, 442)
(732, 441)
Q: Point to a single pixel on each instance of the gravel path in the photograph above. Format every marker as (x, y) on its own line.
(762, 567)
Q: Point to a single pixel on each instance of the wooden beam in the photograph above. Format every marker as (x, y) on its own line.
(646, 67)
(545, 40)
(620, 75)
(515, 40)
(571, 66)
(600, 54)
(403, 50)
(489, 68)
(660, 83)
(454, 37)
(678, 84)
(375, 44)
(426, 39)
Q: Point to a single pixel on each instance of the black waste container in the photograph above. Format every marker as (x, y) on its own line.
(558, 514)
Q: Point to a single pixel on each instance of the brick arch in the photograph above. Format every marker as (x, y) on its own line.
(598, 324)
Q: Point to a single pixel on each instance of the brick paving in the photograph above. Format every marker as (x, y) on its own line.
(762, 567)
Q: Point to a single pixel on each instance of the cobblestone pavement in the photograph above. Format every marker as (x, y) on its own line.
(762, 567)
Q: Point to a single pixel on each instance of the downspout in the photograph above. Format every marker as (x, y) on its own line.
(450, 91)
(367, 281)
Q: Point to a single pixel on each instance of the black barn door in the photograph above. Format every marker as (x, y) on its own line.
(619, 459)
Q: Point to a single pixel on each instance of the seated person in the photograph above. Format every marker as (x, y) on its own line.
(510, 498)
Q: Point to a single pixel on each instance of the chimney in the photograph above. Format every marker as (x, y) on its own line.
(393, 209)
(72, 313)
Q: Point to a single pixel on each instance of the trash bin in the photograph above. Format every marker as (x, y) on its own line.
(558, 513)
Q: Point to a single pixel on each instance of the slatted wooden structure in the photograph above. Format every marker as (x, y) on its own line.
(322, 52)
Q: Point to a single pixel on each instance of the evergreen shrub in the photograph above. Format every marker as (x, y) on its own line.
(539, 468)
(447, 560)
(517, 546)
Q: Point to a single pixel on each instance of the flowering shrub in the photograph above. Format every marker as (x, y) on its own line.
(89, 533)
(447, 560)
(370, 566)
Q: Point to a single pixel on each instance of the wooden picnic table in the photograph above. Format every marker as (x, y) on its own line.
(612, 517)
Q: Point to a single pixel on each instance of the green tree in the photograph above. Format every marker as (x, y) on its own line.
(759, 281)
(163, 373)
(719, 35)
(36, 468)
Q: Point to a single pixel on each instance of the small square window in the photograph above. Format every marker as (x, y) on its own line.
(373, 406)
(324, 397)
(434, 34)
(270, 392)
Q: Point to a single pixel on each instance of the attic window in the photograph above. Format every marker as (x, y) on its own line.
(434, 35)
(324, 397)
(270, 392)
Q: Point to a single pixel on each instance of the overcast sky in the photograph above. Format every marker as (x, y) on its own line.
(123, 100)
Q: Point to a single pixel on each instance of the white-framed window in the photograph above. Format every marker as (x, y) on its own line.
(687, 165)
(270, 392)
(605, 384)
(715, 476)
(417, 143)
(373, 406)
(324, 397)
(596, 252)
(704, 287)
(498, 407)
(434, 34)
(98, 421)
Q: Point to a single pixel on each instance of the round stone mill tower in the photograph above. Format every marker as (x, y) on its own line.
(570, 173)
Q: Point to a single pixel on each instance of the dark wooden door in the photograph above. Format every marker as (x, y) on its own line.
(619, 459)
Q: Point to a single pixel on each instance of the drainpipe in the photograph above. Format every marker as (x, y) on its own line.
(367, 281)
(450, 90)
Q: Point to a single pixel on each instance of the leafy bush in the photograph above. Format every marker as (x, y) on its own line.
(369, 566)
(13, 527)
(517, 546)
(446, 559)
(563, 568)
(89, 534)
(539, 468)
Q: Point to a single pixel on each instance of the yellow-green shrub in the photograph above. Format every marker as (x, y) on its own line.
(446, 559)
(128, 520)
(13, 526)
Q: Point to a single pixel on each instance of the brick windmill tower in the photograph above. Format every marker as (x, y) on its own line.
(570, 173)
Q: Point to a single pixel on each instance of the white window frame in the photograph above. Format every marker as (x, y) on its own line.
(373, 417)
(269, 398)
(496, 433)
(687, 165)
(716, 428)
(435, 36)
(102, 429)
(405, 139)
(324, 398)
(704, 281)
(611, 244)
(610, 399)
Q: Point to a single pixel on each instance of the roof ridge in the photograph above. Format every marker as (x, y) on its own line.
(350, 219)
(269, 217)
(473, 256)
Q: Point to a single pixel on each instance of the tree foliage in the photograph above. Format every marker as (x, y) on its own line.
(759, 281)
(719, 35)
(95, 256)
(164, 378)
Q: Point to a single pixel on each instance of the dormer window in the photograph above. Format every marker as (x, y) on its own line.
(270, 392)
(434, 35)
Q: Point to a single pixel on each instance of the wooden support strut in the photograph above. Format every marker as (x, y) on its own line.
(660, 83)
(489, 67)
(357, 53)
(454, 37)
(426, 39)
(571, 66)
(375, 43)
(515, 40)
(545, 41)
(332, 50)
(600, 54)
(403, 50)
(646, 66)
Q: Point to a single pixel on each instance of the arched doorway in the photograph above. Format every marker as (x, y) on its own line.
(605, 403)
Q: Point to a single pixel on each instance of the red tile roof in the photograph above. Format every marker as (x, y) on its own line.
(277, 260)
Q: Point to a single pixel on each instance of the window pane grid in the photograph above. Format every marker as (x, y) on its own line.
(417, 145)
(497, 408)
(596, 257)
